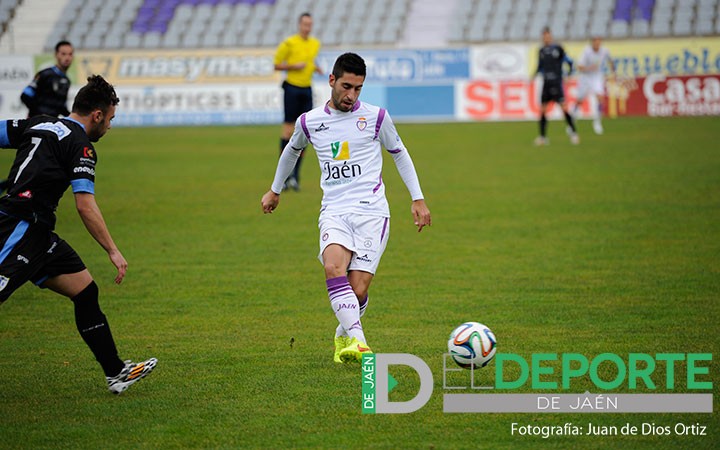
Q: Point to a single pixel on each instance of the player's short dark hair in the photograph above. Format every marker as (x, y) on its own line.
(351, 63)
(305, 14)
(96, 94)
(60, 44)
(546, 30)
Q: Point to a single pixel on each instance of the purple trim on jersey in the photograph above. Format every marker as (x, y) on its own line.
(395, 151)
(381, 117)
(303, 123)
(382, 235)
(378, 185)
(355, 107)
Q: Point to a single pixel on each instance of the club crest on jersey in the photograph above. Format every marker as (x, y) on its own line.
(3, 282)
(88, 152)
(361, 124)
(340, 150)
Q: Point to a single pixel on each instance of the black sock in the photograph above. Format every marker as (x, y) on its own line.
(95, 331)
(543, 125)
(570, 122)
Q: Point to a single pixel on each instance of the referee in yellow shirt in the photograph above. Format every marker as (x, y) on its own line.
(296, 55)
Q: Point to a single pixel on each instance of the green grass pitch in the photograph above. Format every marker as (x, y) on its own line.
(609, 246)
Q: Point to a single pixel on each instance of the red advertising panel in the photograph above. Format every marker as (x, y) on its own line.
(661, 96)
(507, 100)
(656, 95)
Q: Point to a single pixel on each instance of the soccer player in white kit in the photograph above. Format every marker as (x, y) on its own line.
(354, 218)
(592, 81)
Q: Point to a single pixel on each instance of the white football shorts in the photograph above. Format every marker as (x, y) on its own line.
(365, 236)
(590, 85)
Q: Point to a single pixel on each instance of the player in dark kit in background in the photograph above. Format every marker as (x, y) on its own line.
(53, 154)
(48, 91)
(550, 64)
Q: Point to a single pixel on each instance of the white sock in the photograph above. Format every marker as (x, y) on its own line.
(346, 307)
(340, 331)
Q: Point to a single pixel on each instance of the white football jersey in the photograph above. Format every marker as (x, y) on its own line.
(348, 147)
(595, 59)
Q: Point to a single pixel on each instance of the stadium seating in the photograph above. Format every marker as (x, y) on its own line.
(224, 23)
(170, 24)
(523, 20)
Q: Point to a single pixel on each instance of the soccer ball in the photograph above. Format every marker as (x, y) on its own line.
(472, 345)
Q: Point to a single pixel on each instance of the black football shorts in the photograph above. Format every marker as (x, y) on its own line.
(297, 100)
(32, 252)
(552, 92)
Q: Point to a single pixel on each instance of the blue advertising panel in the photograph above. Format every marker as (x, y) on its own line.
(418, 102)
(402, 66)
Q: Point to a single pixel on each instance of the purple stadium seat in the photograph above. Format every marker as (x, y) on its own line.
(155, 15)
(645, 9)
(141, 27)
(164, 15)
(158, 26)
(623, 10)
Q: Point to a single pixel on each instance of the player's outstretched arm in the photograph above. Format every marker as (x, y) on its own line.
(270, 201)
(394, 145)
(421, 214)
(95, 224)
(287, 162)
(285, 166)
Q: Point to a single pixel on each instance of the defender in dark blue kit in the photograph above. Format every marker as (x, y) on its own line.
(48, 91)
(52, 155)
(551, 59)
